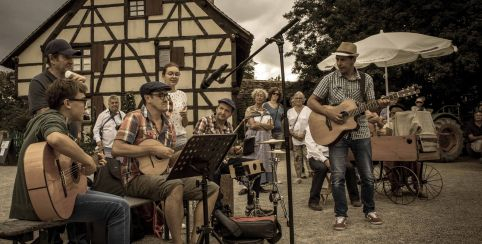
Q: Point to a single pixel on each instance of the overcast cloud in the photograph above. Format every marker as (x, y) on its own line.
(262, 18)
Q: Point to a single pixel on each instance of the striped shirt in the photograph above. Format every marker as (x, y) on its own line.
(207, 125)
(136, 127)
(334, 88)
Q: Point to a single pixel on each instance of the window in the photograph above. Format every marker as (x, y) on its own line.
(164, 56)
(168, 54)
(136, 8)
(82, 62)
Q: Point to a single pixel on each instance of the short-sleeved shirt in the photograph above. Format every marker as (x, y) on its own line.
(37, 98)
(37, 130)
(276, 114)
(335, 88)
(136, 127)
(298, 122)
(262, 115)
(207, 125)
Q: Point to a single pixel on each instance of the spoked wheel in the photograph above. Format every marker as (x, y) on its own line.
(402, 185)
(380, 175)
(431, 182)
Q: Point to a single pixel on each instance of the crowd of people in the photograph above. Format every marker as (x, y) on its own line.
(58, 105)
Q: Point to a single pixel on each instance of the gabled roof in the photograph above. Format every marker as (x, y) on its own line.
(74, 5)
(8, 61)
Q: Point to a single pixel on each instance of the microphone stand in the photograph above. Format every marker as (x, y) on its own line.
(279, 40)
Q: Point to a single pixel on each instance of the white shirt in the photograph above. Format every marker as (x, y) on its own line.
(108, 131)
(179, 101)
(314, 150)
(298, 126)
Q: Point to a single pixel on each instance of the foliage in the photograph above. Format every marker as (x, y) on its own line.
(451, 79)
(128, 102)
(13, 110)
(249, 70)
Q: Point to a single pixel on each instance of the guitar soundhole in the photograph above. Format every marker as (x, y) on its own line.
(344, 115)
(75, 172)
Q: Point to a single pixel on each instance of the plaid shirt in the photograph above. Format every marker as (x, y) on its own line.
(207, 125)
(136, 127)
(335, 88)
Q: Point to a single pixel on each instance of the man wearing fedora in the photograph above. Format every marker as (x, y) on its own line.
(348, 83)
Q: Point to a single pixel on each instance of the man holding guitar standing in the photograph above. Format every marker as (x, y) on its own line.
(347, 83)
(67, 188)
(148, 133)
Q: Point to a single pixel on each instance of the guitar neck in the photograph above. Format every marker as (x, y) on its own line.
(373, 104)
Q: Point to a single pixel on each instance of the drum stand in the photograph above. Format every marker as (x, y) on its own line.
(275, 195)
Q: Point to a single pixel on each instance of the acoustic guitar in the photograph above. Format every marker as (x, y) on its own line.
(325, 132)
(53, 182)
(153, 165)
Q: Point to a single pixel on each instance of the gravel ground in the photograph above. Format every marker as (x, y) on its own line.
(452, 217)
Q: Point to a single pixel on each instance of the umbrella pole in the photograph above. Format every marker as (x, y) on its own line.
(386, 90)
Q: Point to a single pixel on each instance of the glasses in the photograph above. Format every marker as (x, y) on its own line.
(162, 95)
(84, 100)
(174, 74)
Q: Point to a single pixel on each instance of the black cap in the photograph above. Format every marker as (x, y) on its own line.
(60, 46)
(150, 87)
(229, 102)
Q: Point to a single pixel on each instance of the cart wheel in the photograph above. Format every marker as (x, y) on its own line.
(401, 187)
(380, 175)
(431, 182)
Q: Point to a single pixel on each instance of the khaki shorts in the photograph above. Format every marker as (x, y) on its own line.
(155, 187)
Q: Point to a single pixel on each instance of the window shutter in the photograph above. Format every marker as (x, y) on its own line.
(177, 56)
(97, 56)
(153, 7)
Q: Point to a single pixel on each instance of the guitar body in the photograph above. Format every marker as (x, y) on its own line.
(326, 132)
(152, 165)
(53, 182)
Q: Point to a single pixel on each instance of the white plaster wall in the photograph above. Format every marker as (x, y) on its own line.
(187, 44)
(196, 10)
(28, 72)
(200, 78)
(23, 88)
(78, 17)
(66, 34)
(134, 83)
(109, 84)
(132, 66)
(185, 81)
(113, 67)
(33, 54)
(144, 48)
(136, 28)
(211, 27)
(115, 54)
(202, 63)
(83, 36)
(101, 34)
(166, 9)
(118, 31)
(190, 28)
(111, 14)
(207, 45)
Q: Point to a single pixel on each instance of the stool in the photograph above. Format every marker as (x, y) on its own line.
(326, 191)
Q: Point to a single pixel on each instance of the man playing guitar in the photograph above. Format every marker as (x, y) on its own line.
(334, 88)
(66, 100)
(150, 122)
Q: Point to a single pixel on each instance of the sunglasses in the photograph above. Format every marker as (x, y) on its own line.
(276, 93)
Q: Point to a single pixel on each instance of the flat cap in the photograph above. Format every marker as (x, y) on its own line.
(229, 102)
(149, 87)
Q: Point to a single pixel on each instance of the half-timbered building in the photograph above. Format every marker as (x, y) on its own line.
(125, 43)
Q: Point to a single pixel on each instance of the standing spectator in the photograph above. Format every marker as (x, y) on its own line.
(106, 126)
(178, 116)
(259, 125)
(276, 111)
(298, 120)
(473, 132)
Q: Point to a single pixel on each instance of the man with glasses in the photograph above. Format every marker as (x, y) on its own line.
(150, 122)
(66, 100)
(106, 126)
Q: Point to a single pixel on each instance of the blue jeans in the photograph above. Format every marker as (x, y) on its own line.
(361, 148)
(94, 206)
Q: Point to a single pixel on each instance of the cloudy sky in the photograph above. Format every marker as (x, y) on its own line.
(263, 18)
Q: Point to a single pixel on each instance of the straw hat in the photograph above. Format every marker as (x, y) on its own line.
(346, 49)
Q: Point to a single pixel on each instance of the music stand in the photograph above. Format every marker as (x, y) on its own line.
(201, 156)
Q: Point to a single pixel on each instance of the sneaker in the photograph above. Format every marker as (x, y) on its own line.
(373, 218)
(340, 223)
(243, 191)
(298, 180)
(315, 206)
(356, 203)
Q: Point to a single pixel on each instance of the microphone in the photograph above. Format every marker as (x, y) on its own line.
(74, 76)
(214, 76)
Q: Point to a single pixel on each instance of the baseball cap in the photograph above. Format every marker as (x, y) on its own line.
(60, 46)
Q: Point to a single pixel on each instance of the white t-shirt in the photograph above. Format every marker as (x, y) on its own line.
(179, 101)
(298, 125)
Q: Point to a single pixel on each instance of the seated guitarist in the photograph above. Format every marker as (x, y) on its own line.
(334, 88)
(150, 122)
(66, 100)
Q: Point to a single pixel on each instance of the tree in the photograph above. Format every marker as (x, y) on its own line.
(446, 80)
(249, 70)
(128, 102)
(13, 110)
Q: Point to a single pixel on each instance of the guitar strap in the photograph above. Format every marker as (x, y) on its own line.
(363, 86)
